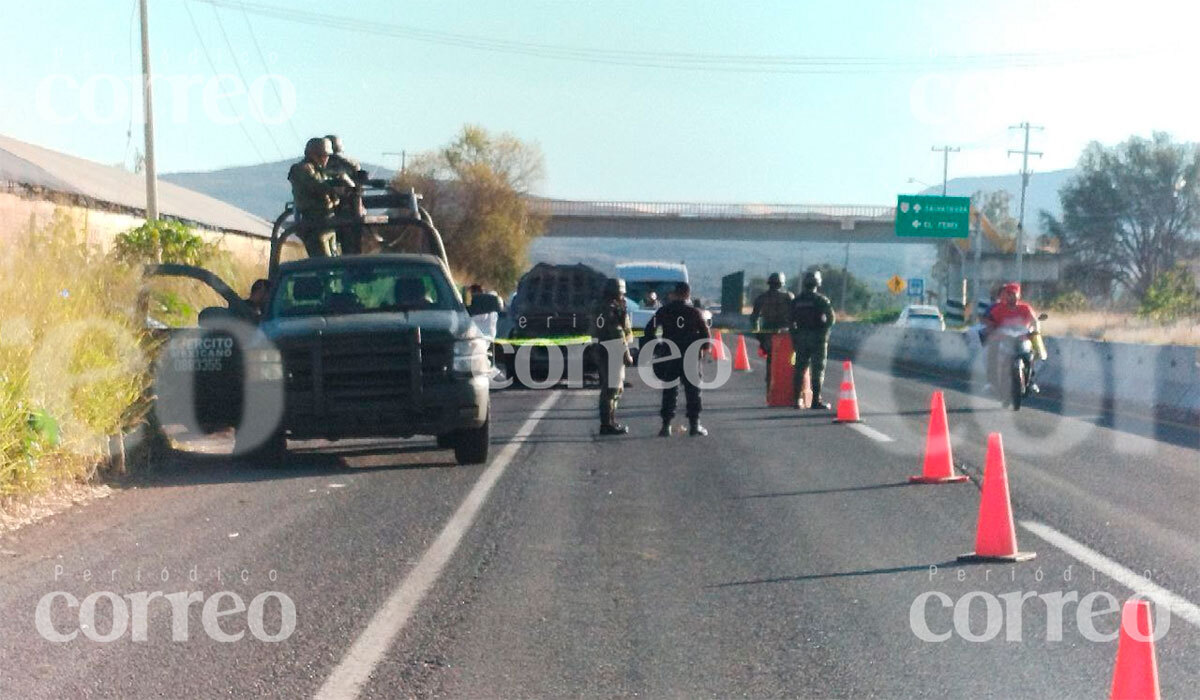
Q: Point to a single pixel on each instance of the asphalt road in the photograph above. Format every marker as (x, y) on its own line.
(779, 557)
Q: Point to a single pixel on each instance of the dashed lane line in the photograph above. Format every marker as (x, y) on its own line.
(1178, 605)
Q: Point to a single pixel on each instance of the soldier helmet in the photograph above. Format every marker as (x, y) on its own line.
(776, 280)
(317, 146)
(335, 142)
(613, 287)
(812, 279)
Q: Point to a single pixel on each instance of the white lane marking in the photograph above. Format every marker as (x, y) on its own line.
(870, 432)
(365, 654)
(1178, 605)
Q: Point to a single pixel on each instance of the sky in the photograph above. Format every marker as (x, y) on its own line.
(672, 102)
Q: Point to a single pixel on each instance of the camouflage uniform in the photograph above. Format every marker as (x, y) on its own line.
(772, 313)
(346, 169)
(612, 331)
(812, 318)
(315, 199)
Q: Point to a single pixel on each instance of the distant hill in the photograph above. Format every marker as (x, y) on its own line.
(1042, 193)
(259, 189)
(263, 189)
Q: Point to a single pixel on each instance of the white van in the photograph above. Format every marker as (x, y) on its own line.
(641, 278)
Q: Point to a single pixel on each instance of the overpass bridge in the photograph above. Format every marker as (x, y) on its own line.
(828, 223)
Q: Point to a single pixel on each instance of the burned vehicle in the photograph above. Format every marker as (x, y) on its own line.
(362, 346)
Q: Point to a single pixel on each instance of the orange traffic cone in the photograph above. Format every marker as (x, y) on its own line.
(741, 361)
(995, 534)
(1135, 675)
(847, 408)
(718, 347)
(939, 461)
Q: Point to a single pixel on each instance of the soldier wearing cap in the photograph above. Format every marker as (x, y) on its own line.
(772, 313)
(611, 329)
(812, 319)
(315, 194)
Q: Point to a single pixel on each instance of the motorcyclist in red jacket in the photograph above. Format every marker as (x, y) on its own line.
(1010, 311)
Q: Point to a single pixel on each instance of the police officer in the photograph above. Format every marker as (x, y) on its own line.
(772, 313)
(315, 194)
(812, 318)
(611, 329)
(684, 325)
(350, 207)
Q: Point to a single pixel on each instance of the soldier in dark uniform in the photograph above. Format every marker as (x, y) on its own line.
(611, 329)
(682, 324)
(315, 194)
(350, 206)
(812, 318)
(772, 313)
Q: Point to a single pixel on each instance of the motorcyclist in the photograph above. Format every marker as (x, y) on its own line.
(1010, 312)
(772, 313)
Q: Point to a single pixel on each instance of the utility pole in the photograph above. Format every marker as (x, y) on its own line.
(148, 109)
(845, 276)
(1025, 173)
(403, 158)
(946, 151)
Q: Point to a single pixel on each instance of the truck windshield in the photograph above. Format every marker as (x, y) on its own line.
(356, 289)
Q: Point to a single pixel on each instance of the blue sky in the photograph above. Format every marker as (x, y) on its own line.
(1100, 71)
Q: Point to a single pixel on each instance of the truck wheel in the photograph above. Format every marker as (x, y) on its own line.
(445, 440)
(272, 453)
(471, 445)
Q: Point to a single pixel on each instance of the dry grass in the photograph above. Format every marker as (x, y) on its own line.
(1122, 328)
(74, 369)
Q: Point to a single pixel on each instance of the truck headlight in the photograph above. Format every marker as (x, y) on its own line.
(470, 356)
(264, 364)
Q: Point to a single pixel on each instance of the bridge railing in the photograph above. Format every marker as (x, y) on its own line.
(701, 210)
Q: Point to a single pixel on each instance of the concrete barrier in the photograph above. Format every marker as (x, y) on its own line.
(1162, 381)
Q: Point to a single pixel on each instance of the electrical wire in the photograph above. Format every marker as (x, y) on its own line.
(266, 67)
(736, 63)
(242, 74)
(213, 66)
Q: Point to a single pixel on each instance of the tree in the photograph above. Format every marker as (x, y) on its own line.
(858, 295)
(475, 188)
(997, 207)
(1171, 296)
(1130, 213)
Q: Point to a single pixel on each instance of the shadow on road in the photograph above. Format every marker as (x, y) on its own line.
(813, 492)
(841, 574)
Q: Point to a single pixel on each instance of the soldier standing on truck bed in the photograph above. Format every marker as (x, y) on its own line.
(351, 207)
(772, 313)
(611, 329)
(812, 318)
(315, 194)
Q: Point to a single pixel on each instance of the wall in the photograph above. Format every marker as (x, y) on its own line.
(101, 227)
(1158, 380)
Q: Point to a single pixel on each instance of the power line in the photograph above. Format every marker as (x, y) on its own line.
(242, 74)
(275, 88)
(736, 63)
(213, 66)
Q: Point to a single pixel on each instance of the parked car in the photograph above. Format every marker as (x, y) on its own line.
(921, 316)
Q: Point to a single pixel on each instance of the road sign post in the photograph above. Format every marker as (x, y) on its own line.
(895, 284)
(916, 287)
(925, 216)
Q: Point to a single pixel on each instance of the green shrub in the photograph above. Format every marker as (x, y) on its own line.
(177, 242)
(1171, 296)
(1071, 302)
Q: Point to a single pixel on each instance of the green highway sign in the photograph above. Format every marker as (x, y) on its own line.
(926, 216)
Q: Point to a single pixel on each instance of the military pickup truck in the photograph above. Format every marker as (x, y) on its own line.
(359, 346)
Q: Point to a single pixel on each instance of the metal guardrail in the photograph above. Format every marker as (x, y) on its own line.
(699, 210)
